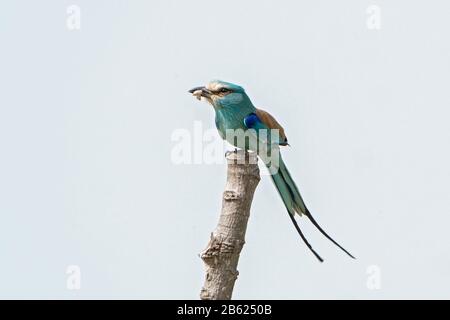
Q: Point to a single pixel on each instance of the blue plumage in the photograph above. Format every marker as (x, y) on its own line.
(235, 112)
(251, 120)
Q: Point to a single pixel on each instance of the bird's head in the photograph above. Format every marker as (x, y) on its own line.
(221, 94)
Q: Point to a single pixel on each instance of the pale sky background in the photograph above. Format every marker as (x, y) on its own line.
(86, 118)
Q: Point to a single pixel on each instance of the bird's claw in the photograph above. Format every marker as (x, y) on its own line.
(230, 152)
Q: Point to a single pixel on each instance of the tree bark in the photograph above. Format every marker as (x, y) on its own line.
(222, 253)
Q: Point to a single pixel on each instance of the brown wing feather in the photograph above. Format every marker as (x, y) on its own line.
(270, 122)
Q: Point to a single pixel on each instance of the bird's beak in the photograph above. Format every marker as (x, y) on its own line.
(200, 92)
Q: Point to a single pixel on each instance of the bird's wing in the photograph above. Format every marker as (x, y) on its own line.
(271, 123)
(262, 133)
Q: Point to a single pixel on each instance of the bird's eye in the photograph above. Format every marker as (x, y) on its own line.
(224, 90)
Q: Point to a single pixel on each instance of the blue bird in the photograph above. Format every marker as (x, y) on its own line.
(249, 128)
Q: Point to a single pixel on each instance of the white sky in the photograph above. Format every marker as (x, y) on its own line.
(86, 119)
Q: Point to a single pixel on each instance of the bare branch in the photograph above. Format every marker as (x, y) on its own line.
(222, 253)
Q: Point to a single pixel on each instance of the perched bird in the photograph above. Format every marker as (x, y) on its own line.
(236, 114)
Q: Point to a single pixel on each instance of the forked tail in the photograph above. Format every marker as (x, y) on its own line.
(294, 203)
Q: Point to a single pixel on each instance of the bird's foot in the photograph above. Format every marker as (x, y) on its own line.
(230, 152)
